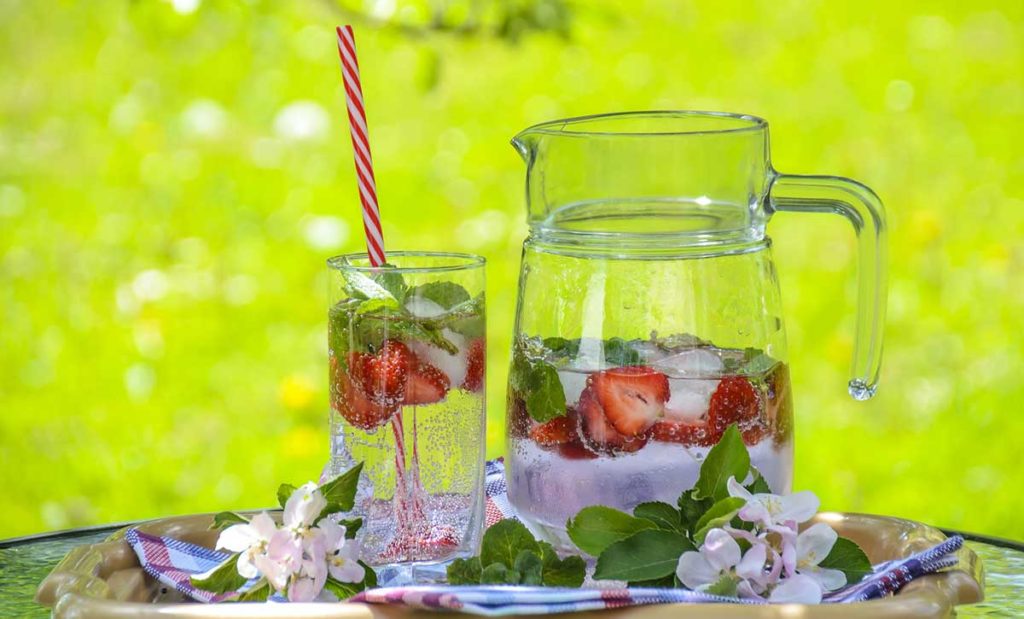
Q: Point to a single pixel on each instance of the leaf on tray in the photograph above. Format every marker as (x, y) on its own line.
(596, 528)
(646, 555)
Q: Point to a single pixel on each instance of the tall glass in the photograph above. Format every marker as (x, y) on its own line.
(407, 347)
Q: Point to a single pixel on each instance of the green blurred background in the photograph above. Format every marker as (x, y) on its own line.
(173, 175)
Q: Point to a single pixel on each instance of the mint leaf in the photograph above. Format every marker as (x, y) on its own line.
(642, 556)
(464, 571)
(530, 566)
(503, 541)
(596, 528)
(392, 281)
(725, 586)
(370, 331)
(283, 492)
(847, 557)
(562, 347)
(661, 514)
(224, 519)
(377, 306)
(343, 590)
(352, 526)
(665, 582)
(340, 492)
(362, 287)
(259, 592)
(759, 485)
(567, 572)
(692, 508)
(221, 579)
(545, 398)
(718, 515)
(729, 458)
(445, 294)
(618, 351)
(369, 577)
(498, 574)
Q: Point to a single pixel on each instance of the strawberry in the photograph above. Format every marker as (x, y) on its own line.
(734, 401)
(476, 360)
(382, 377)
(576, 450)
(598, 433)
(426, 385)
(689, 434)
(353, 405)
(557, 431)
(632, 398)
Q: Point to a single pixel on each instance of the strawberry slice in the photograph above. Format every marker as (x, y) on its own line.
(476, 359)
(734, 401)
(633, 398)
(426, 385)
(353, 405)
(689, 434)
(576, 450)
(557, 431)
(382, 377)
(598, 433)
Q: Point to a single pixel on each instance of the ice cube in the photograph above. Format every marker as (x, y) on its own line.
(573, 383)
(454, 366)
(695, 363)
(689, 398)
(423, 308)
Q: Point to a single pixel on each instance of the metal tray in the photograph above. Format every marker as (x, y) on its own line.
(105, 580)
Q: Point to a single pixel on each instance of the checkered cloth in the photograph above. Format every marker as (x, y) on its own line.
(173, 562)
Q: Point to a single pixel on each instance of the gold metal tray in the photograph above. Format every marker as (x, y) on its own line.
(105, 580)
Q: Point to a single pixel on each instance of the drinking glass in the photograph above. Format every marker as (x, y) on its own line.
(406, 349)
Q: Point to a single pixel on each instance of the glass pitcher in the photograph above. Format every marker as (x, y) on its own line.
(649, 317)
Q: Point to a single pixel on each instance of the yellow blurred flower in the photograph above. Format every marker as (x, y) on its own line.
(296, 392)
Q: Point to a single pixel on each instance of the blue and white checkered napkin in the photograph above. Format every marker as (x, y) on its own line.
(173, 562)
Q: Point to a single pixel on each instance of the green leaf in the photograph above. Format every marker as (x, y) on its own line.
(661, 514)
(371, 330)
(545, 399)
(369, 577)
(726, 586)
(392, 281)
(530, 567)
(352, 526)
(645, 555)
(618, 351)
(692, 508)
(464, 571)
(729, 458)
(847, 557)
(445, 294)
(224, 519)
(665, 582)
(759, 485)
(340, 492)
(222, 579)
(596, 528)
(503, 542)
(718, 515)
(377, 306)
(283, 492)
(362, 287)
(259, 592)
(498, 574)
(562, 347)
(557, 572)
(343, 590)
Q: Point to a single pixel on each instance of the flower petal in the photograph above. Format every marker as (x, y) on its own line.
(334, 534)
(799, 506)
(721, 550)
(814, 544)
(751, 567)
(263, 526)
(303, 506)
(236, 538)
(737, 490)
(796, 590)
(694, 570)
(245, 566)
(829, 579)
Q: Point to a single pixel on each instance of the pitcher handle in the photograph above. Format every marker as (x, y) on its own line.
(860, 205)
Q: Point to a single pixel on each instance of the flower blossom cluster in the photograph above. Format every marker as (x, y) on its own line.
(297, 557)
(770, 559)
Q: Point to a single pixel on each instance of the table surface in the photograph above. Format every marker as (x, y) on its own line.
(25, 561)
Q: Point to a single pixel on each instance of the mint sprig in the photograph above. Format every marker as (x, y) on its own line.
(509, 555)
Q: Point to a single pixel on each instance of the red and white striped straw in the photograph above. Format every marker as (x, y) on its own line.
(361, 146)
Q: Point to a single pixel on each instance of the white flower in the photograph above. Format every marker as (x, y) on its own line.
(774, 509)
(282, 559)
(302, 508)
(307, 584)
(342, 555)
(812, 546)
(796, 590)
(250, 540)
(716, 558)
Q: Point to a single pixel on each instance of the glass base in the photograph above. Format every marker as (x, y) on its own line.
(408, 574)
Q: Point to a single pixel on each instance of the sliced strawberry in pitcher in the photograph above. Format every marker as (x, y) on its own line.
(598, 432)
(426, 385)
(633, 398)
(576, 450)
(734, 401)
(382, 377)
(689, 434)
(476, 359)
(557, 431)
